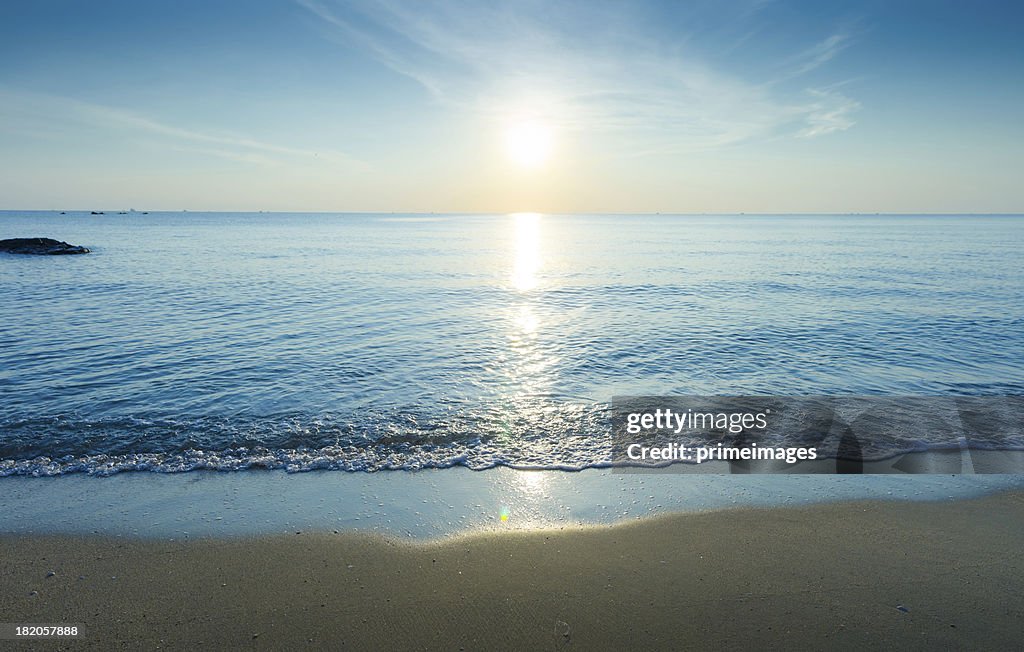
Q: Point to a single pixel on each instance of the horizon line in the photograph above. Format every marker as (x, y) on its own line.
(132, 211)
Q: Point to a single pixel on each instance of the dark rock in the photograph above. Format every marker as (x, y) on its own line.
(95, 212)
(39, 247)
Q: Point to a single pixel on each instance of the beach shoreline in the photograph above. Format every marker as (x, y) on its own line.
(436, 503)
(867, 574)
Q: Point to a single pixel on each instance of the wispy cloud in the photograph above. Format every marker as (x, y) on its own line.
(591, 67)
(19, 106)
(820, 53)
(831, 112)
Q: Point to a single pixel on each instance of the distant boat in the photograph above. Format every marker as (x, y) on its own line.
(96, 213)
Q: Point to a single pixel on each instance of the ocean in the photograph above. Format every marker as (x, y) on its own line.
(364, 342)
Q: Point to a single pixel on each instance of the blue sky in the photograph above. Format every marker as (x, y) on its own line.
(754, 106)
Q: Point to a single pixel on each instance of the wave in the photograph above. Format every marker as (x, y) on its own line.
(533, 432)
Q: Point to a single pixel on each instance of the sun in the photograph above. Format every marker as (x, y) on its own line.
(528, 143)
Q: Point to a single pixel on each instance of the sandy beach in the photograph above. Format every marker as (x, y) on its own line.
(849, 575)
(511, 325)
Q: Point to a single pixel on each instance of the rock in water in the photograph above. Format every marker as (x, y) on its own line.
(39, 247)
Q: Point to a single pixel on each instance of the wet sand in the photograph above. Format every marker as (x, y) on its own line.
(848, 575)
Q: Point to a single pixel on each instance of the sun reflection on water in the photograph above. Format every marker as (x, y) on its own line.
(529, 367)
(526, 501)
(532, 483)
(527, 260)
(526, 322)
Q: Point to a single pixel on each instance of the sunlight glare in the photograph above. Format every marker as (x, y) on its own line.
(527, 251)
(529, 143)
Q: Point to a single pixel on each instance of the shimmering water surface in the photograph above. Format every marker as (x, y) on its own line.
(364, 342)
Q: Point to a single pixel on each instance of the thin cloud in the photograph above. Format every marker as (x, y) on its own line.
(60, 110)
(820, 54)
(830, 113)
(499, 62)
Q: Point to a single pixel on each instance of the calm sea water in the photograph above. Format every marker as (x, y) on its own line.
(365, 342)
